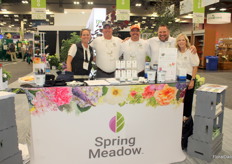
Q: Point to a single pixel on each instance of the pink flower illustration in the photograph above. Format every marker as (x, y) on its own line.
(62, 95)
(133, 93)
(150, 90)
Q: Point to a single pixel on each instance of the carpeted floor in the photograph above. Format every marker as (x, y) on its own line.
(222, 78)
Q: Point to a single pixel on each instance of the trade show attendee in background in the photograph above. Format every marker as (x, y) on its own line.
(187, 62)
(80, 56)
(107, 50)
(12, 52)
(29, 54)
(136, 49)
(164, 40)
(23, 50)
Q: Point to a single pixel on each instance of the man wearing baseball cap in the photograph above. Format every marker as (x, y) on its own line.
(136, 49)
(107, 50)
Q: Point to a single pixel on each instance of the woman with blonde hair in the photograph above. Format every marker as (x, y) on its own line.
(187, 62)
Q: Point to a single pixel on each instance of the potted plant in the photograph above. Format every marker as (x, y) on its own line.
(53, 61)
(5, 78)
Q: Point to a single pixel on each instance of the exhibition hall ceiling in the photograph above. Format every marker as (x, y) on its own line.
(17, 11)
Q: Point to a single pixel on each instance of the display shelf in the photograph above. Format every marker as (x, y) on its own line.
(8, 131)
(207, 137)
(199, 44)
(224, 53)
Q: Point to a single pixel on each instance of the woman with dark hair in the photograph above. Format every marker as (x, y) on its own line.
(80, 56)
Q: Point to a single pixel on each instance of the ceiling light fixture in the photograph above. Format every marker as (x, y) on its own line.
(16, 16)
(16, 20)
(76, 3)
(138, 4)
(212, 8)
(223, 9)
(6, 15)
(25, 2)
(90, 3)
(4, 10)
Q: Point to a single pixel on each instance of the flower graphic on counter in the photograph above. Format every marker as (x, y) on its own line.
(116, 95)
(82, 99)
(166, 95)
(49, 99)
(85, 97)
(117, 123)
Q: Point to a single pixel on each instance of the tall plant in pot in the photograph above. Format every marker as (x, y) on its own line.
(66, 45)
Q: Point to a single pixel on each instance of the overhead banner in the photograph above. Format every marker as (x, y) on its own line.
(219, 18)
(10, 29)
(198, 12)
(38, 9)
(207, 2)
(123, 9)
(186, 6)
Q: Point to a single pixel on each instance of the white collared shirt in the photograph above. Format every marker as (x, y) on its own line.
(186, 61)
(155, 44)
(107, 52)
(73, 50)
(136, 50)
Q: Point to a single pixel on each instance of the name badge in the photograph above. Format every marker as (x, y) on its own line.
(85, 65)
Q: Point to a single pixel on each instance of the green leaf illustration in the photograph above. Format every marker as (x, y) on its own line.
(120, 122)
(33, 92)
(104, 90)
(83, 109)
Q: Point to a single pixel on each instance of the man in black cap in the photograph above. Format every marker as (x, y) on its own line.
(107, 51)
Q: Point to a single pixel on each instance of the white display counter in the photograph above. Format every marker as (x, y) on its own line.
(107, 124)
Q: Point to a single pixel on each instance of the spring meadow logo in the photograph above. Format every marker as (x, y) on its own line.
(117, 123)
(117, 146)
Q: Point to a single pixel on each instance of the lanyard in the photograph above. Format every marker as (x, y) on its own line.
(86, 56)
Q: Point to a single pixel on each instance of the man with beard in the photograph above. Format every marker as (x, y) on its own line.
(136, 49)
(107, 50)
(164, 40)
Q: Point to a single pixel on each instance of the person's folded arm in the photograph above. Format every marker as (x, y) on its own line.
(68, 62)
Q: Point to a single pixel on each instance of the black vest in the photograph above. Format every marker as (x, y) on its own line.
(78, 60)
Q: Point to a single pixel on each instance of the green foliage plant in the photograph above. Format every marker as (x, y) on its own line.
(66, 45)
(53, 60)
(165, 17)
(6, 75)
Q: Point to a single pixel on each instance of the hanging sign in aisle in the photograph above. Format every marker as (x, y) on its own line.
(207, 2)
(198, 12)
(219, 18)
(123, 9)
(38, 9)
